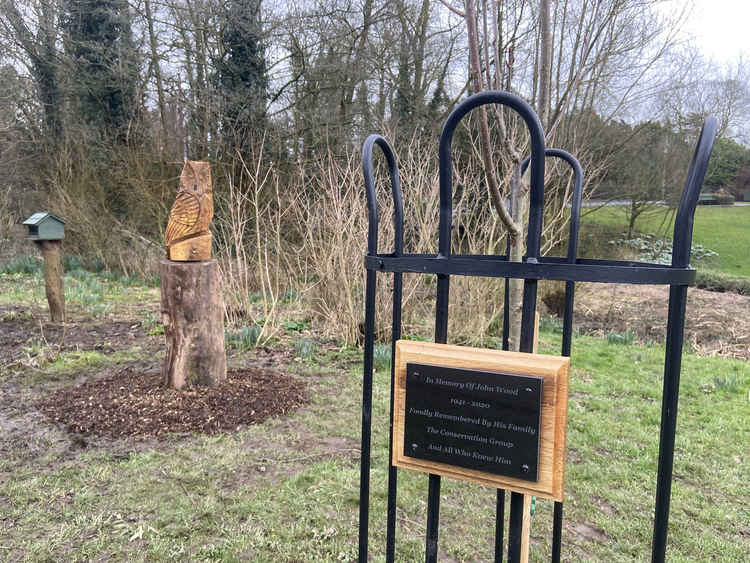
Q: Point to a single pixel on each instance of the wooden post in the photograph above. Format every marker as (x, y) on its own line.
(525, 528)
(53, 278)
(192, 308)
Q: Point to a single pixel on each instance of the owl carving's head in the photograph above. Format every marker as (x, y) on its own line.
(196, 177)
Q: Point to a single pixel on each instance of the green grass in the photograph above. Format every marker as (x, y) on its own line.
(72, 363)
(288, 490)
(725, 230)
(97, 294)
(50, 364)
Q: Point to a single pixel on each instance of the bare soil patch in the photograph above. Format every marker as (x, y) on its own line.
(25, 433)
(138, 405)
(716, 324)
(589, 532)
(20, 328)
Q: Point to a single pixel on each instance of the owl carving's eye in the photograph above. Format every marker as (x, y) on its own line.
(195, 187)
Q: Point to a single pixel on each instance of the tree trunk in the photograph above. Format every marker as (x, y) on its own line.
(192, 308)
(157, 72)
(519, 202)
(53, 278)
(545, 62)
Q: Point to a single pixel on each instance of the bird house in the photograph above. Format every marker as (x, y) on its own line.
(45, 226)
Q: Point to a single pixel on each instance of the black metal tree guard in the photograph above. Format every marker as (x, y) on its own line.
(679, 275)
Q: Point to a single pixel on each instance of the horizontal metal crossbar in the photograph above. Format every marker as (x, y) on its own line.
(545, 268)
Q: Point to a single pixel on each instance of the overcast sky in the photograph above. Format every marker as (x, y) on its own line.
(721, 28)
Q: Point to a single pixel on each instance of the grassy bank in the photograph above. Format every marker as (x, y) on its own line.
(725, 230)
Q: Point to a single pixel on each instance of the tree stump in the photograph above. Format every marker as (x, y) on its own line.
(192, 309)
(53, 278)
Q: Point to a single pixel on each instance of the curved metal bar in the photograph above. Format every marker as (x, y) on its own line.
(370, 289)
(683, 225)
(372, 203)
(575, 206)
(533, 243)
(575, 220)
(682, 241)
(537, 165)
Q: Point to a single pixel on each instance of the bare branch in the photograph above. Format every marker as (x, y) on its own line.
(452, 8)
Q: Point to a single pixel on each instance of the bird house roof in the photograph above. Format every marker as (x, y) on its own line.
(40, 217)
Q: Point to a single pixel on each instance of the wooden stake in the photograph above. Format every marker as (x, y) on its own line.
(53, 278)
(526, 522)
(525, 528)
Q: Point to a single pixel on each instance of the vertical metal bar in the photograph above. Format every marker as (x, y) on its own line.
(567, 339)
(533, 244)
(557, 532)
(500, 508)
(364, 475)
(515, 528)
(575, 216)
(390, 541)
(682, 242)
(372, 248)
(500, 501)
(675, 327)
(433, 519)
(441, 308)
(499, 525)
(567, 336)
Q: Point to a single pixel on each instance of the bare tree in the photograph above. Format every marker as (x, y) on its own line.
(34, 31)
(571, 58)
(701, 88)
(155, 66)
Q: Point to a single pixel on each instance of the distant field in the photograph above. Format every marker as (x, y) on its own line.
(723, 229)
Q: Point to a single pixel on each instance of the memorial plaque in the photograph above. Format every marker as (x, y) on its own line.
(475, 419)
(486, 416)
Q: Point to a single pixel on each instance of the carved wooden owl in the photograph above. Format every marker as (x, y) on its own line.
(187, 235)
